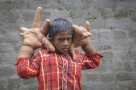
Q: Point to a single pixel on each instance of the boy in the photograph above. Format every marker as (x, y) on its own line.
(54, 66)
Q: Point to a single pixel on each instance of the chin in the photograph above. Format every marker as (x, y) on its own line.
(64, 52)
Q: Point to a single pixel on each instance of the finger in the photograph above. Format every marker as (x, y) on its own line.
(77, 30)
(23, 29)
(34, 30)
(39, 35)
(84, 32)
(38, 44)
(87, 26)
(72, 52)
(22, 34)
(45, 27)
(37, 18)
(48, 44)
(89, 34)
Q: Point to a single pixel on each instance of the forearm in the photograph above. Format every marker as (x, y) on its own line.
(25, 52)
(91, 55)
(88, 48)
(27, 66)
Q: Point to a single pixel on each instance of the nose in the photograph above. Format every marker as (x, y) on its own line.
(65, 42)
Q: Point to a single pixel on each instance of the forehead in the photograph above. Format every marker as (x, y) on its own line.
(64, 35)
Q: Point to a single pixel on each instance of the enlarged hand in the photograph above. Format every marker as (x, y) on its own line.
(81, 34)
(36, 36)
(80, 37)
(30, 38)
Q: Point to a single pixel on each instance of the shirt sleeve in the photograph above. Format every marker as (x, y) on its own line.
(91, 61)
(28, 68)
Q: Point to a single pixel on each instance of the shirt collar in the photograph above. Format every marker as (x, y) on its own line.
(56, 51)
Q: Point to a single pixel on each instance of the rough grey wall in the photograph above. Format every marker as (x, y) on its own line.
(113, 25)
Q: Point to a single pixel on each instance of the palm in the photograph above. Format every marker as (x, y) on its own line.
(81, 35)
(79, 40)
(35, 36)
(31, 39)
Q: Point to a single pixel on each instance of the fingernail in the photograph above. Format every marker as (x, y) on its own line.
(85, 34)
(89, 33)
(39, 7)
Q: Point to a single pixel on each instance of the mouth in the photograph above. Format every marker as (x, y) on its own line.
(65, 50)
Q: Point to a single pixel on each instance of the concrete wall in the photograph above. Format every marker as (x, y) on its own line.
(113, 25)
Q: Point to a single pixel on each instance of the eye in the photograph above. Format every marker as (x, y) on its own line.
(69, 39)
(61, 39)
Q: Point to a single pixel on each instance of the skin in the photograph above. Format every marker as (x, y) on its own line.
(36, 37)
(62, 41)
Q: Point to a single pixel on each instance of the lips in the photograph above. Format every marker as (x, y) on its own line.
(65, 49)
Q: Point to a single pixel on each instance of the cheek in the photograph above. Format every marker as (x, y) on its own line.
(57, 44)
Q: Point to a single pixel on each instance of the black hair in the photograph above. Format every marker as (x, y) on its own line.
(59, 25)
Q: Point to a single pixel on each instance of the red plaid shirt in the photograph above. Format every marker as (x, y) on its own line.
(56, 71)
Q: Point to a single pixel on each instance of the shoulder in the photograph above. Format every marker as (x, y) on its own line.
(41, 52)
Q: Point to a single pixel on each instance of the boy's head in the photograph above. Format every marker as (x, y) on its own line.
(59, 25)
(60, 32)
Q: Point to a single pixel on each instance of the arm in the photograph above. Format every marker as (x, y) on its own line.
(34, 38)
(91, 59)
(88, 48)
(28, 67)
(87, 45)
(25, 52)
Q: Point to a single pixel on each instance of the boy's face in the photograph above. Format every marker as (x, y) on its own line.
(62, 41)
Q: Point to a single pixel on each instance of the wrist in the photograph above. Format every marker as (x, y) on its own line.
(88, 48)
(28, 45)
(25, 52)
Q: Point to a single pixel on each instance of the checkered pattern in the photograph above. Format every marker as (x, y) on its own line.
(56, 71)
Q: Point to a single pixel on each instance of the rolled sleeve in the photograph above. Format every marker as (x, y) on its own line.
(91, 61)
(28, 67)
